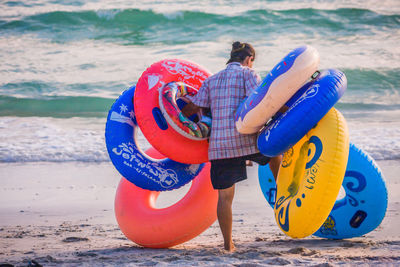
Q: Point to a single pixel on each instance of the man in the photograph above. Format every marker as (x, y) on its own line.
(228, 149)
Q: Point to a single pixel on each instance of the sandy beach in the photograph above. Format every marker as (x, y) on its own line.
(61, 214)
(63, 65)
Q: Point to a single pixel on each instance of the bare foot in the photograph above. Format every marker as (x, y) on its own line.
(230, 247)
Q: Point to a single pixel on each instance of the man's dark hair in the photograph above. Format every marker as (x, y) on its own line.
(240, 51)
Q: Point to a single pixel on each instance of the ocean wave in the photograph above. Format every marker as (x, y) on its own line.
(46, 90)
(368, 90)
(17, 8)
(136, 26)
(97, 107)
(56, 107)
(372, 89)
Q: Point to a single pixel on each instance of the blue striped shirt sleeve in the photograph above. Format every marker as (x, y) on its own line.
(202, 98)
(252, 80)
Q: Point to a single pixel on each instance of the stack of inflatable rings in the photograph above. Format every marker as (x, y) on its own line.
(313, 138)
(145, 174)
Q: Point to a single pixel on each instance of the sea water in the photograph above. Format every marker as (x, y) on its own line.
(63, 63)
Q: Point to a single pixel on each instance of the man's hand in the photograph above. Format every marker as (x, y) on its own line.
(190, 109)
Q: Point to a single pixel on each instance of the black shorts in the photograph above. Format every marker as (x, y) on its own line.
(227, 172)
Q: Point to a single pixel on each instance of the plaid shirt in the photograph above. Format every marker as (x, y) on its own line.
(222, 93)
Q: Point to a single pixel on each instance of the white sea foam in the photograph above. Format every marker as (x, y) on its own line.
(82, 139)
(107, 14)
(55, 140)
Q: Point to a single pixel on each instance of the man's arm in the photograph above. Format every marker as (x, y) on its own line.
(283, 109)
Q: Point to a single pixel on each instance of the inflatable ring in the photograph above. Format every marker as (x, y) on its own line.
(306, 108)
(153, 124)
(364, 205)
(147, 226)
(131, 162)
(311, 175)
(168, 97)
(276, 89)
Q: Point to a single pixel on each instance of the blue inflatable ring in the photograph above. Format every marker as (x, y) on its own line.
(131, 162)
(306, 109)
(364, 205)
(281, 83)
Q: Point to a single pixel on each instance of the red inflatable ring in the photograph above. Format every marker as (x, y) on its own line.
(151, 121)
(147, 226)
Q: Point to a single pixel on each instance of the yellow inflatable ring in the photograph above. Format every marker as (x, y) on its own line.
(311, 175)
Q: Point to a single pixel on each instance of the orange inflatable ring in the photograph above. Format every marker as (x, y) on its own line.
(150, 118)
(147, 226)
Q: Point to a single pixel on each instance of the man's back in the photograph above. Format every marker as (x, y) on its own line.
(222, 93)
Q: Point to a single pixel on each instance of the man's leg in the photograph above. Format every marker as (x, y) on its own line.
(224, 213)
(274, 165)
